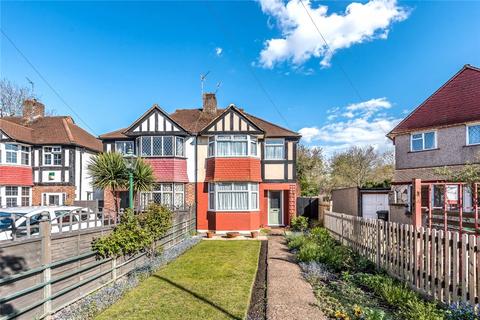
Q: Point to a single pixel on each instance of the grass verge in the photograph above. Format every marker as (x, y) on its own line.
(213, 280)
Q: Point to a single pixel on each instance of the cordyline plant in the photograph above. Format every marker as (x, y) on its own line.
(109, 171)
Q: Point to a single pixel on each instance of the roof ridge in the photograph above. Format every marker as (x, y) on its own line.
(273, 124)
(67, 129)
(465, 67)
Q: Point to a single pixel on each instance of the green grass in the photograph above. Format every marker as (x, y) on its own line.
(213, 280)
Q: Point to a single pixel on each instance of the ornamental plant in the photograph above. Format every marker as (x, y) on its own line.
(135, 233)
(299, 223)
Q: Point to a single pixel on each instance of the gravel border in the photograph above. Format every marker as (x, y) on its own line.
(257, 309)
(93, 304)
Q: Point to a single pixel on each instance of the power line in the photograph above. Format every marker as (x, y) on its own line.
(329, 49)
(46, 82)
(224, 29)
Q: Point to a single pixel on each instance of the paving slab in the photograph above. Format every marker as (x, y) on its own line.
(289, 296)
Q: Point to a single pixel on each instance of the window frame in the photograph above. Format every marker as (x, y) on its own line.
(124, 142)
(52, 153)
(159, 189)
(467, 127)
(435, 142)
(251, 191)
(265, 145)
(21, 151)
(212, 151)
(139, 148)
(19, 196)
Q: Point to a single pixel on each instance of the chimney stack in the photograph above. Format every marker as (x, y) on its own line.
(32, 110)
(210, 103)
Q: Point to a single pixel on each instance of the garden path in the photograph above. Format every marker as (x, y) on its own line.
(289, 296)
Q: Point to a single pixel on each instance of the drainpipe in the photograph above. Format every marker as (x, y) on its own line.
(196, 180)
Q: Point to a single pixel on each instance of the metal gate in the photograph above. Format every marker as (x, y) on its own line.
(307, 207)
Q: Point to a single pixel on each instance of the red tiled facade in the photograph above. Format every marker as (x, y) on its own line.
(169, 169)
(16, 176)
(233, 169)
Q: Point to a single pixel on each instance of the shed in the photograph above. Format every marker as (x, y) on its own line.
(361, 202)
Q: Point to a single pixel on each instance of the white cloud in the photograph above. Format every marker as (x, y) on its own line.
(358, 124)
(218, 51)
(301, 41)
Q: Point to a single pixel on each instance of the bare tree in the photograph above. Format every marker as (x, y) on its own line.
(12, 97)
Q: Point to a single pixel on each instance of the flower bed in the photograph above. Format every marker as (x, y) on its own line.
(348, 286)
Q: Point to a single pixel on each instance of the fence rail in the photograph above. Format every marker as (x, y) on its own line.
(43, 274)
(439, 264)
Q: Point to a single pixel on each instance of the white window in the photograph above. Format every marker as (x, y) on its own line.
(473, 134)
(171, 195)
(17, 154)
(11, 196)
(52, 156)
(233, 196)
(274, 149)
(15, 196)
(423, 141)
(232, 146)
(124, 147)
(161, 146)
(54, 198)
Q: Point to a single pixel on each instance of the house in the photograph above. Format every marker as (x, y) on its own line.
(44, 159)
(360, 202)
(238, 169)
(443, 131)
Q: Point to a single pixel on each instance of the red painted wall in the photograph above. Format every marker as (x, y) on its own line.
(233, 169)
(169, 169)
(16, 176)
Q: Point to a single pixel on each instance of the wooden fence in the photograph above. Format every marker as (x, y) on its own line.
(442, 265)
(42, 274)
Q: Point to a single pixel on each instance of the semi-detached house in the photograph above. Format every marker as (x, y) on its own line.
(44, 159)
(237, 170)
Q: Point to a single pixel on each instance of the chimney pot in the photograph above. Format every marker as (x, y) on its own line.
(32, 110)
(210, 103)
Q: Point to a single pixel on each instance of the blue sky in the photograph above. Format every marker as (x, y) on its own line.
(112, 60)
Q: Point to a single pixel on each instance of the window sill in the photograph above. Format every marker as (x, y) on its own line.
(227, 157)
(234, 211)
(426, 150)
(472, 145)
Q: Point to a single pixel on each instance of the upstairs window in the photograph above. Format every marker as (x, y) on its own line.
(232, 146)
(11, 153)
(473, 134)
(423, 141)
(52, 156)
(274, 149)
(17, 154)
(161, 146)
(124, 146)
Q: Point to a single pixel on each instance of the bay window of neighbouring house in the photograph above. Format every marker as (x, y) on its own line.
(16, 154)
(52, 156)
(233, 196)
(124, 147)
(423, 141)
(274, 149)
(232, 146)
(473, 134)
(14, 196)
(171, 195)
(161, 146)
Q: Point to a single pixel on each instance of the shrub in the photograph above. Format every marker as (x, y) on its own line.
(295, 242)
(135, 233)
(299, 223)
(308, 251)
(463, 311)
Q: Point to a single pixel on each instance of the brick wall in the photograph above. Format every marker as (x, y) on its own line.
(292, 202)
(38, 190)
(190, 194)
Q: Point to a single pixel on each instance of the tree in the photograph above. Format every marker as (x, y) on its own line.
(311, 170)
(109, 171)
(12, 97)
(361, 166)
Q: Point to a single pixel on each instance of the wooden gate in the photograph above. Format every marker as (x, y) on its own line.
(307, 207)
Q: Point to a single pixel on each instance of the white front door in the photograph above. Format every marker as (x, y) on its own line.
(275, 208)
(371, 203)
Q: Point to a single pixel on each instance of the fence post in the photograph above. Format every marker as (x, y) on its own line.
(378, 243)
(342, 242)
(114, 268)
(46, 258)
(417, 203)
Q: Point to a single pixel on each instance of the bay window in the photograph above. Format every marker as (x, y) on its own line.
(123, 146)
(161, 146)
(233, 196)
(15, 196)
(17, 154)
(274, 149)
(473, 134)
(171, 195)
(52, 156)
(423, 141)
(232, 146)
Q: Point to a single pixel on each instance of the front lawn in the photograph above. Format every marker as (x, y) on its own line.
(213, 280)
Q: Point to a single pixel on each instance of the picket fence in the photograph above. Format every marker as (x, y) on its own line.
(442, 265)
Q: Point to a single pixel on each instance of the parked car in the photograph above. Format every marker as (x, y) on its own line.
(63, 219)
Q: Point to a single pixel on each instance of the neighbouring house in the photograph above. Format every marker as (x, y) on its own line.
(237, 170)
(361, 202)
(44, 159)
(444, 131)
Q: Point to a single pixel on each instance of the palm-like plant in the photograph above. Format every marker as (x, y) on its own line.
(108, 171)
(143, 178)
